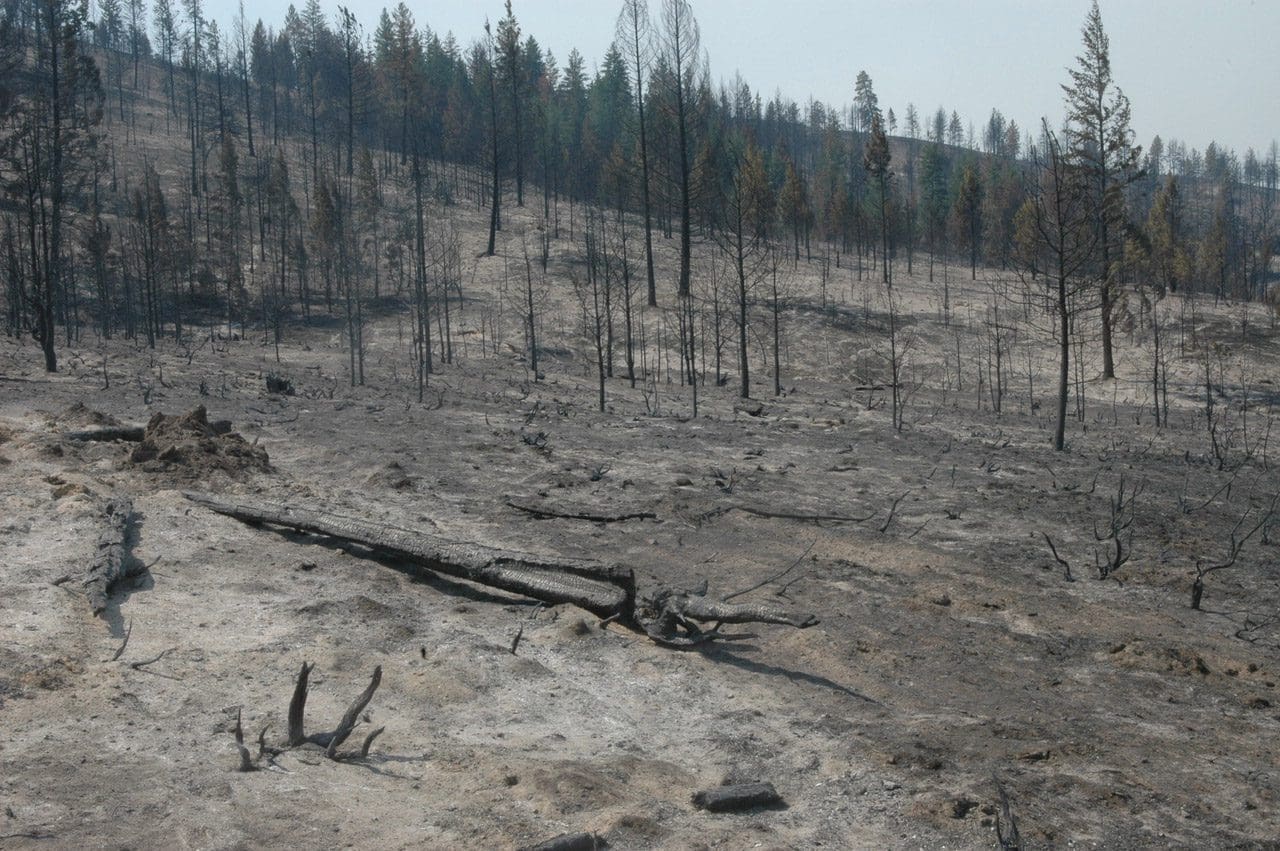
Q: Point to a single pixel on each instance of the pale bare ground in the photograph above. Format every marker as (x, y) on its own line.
(953, 654)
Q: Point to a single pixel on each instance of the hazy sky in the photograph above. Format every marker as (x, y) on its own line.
(1197, 70)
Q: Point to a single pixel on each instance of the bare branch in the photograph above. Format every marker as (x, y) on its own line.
(773, 578)
(120, 650)
(348, 722)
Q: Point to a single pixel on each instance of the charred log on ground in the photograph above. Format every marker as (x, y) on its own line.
(672, 618)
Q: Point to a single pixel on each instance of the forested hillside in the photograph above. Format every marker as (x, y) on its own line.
(165, 172)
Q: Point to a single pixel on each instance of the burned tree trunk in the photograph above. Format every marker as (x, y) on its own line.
(110, 560)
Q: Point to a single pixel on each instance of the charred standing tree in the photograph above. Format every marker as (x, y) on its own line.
(634, 38)
(1101, 144)
(111, 560)
(509, 47)
(422, 319)
(1058, 210)
(680, 43)
(742, 237)
(490, 72)
(53, 102)
(876, 161)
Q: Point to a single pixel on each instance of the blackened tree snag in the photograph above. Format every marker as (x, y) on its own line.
(110, 560)
(297, 735)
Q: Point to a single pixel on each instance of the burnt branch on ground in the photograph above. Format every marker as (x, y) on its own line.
(546, 513)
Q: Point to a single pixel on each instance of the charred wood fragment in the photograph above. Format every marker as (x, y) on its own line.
(737, 797)
(109, 434)
(569, 842)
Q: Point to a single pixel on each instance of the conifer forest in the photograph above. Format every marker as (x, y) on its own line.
(618, 454)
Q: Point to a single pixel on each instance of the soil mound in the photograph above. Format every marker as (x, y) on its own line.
(189, 446)
(392, 476)
(82, 416)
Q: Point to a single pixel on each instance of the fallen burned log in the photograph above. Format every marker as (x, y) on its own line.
(129, 434)
(111, 558)
(599, 589)
(670, 617)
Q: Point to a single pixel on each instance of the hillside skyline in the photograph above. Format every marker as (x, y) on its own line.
(1215, 92)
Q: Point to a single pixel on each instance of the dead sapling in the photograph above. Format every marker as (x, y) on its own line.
(1234, 548)
(776, 577)
(1184, 502)
(1115, 538)
(542, 512)
(142, 665)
